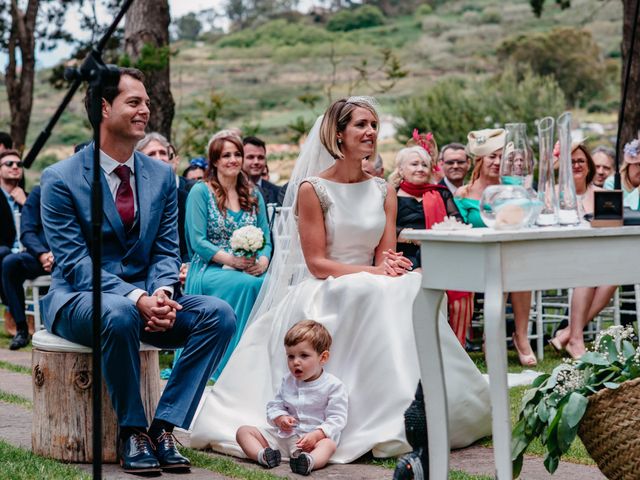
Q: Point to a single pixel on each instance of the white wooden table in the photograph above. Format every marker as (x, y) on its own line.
(494, 262)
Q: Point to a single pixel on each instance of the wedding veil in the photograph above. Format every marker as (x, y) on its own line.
(287, 266)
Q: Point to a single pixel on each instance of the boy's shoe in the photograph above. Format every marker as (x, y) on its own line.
(271, 458)
(302, 464)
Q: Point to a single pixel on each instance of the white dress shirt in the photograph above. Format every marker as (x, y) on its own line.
(108, 166)
(319, 404)
(452, 188)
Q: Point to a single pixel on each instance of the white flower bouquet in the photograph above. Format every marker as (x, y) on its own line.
(247, 240)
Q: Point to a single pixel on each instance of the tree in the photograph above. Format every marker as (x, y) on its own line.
(452, 107)
(570, 55)
(189, 27)
(631, 122)
(243, 13)
(146, 35)
(23, 25)
(394, 7)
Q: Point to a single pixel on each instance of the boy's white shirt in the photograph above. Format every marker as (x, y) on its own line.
(321, 403)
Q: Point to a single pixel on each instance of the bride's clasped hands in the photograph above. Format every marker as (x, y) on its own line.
(395, 264)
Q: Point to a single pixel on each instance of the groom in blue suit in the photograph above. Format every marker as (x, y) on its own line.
(141, 297)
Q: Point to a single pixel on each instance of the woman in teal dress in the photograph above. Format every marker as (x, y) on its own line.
(224, 202)
(485, 147)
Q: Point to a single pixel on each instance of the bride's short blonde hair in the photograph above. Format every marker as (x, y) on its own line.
(309, 331)
(336, 119)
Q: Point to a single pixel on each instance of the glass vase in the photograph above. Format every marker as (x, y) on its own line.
(567, 200)
(507, 207)
(516, 166)
(546, 186)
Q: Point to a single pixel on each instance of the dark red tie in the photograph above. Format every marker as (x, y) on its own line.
(124, 196)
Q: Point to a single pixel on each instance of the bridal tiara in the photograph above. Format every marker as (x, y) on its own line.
(364, 99)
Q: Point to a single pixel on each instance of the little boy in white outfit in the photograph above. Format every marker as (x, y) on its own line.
(309, 410)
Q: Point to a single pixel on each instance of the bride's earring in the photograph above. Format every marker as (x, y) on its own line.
(339, 141)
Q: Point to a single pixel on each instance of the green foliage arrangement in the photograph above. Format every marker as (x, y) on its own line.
(454, 107)
(362, 17)
(570, 55)
(553, 408)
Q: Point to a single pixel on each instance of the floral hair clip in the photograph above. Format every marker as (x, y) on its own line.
(428, 142)
(632, 148)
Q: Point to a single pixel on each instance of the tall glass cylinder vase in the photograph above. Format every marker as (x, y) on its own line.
(516, 166)
(567, 200)
(546, 185)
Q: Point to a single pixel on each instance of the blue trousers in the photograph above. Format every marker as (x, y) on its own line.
(16, 268)
(203, 327)
(4, 251)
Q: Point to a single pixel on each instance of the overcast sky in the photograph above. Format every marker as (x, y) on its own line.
(178, 9)
(48, 59)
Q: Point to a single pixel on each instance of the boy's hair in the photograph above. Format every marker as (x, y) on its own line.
(310, 331)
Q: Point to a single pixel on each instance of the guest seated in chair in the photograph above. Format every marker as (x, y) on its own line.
(586, 302)
(254, 163)
(422, 203)
(157, 146)
(36, 261)
(12, 198)
(629, 175)
(485, 147)
(195, 170)
(217, 207)
(141, 297)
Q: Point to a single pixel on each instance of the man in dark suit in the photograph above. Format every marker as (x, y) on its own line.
(141, 297)
(35, 261)
(254, 162)
(455, 164)
(12, 197)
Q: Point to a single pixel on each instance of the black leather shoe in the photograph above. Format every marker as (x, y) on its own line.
(137, 456)
(21, 340)
(168, 455)
(301, 464)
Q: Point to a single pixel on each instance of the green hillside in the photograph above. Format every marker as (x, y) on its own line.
(275, 74)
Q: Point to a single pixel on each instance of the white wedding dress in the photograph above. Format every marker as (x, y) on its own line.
(373, 351)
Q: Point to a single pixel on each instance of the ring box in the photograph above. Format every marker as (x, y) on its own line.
(608, 209)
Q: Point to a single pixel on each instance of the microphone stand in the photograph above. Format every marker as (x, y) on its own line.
(98, 75)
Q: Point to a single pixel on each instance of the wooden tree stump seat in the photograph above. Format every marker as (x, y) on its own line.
(62, 399)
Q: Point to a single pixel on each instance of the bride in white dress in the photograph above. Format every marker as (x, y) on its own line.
(353, 282)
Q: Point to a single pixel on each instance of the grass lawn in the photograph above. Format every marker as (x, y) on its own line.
(11, 456)
(20, 464)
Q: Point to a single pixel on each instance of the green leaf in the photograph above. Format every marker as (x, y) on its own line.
(574, 410)
(551, 463)
(594, 358)
(611, 385)
(517, 466)
(528, 396)
(627, 349)
(611, 349)
(539, 380)
(519, 441)
(543, 412)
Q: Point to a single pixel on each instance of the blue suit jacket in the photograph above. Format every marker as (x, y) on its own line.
(151, 262)
(31, 231)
